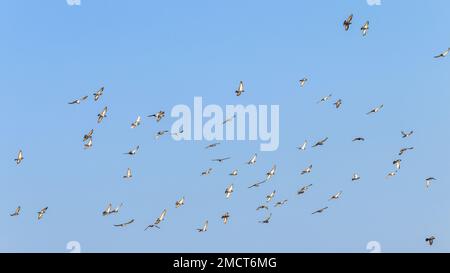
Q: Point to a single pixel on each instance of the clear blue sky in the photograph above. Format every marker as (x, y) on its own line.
(151, 56)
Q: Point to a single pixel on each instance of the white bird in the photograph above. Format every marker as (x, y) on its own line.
(179, 203)
(397, 163)
(407, 134)
(428, 181)
(303, 82)
(365, 28)
(307, 170)
(88, 135)
(336, 196)
(41, 213)
(78, 101)
(267, 220)
(16, 212)
(158, 116)
(88, 144)
(355, 177)
(204, 228)
(19, 157)
(133, 151)
(348, 22)
(102, 115)
(303, 147)
(228, 191)
(136, 122)
(207, 172)
(98, 94)
(303, 189)
(128, 174)
(252, 160)
(225, 217)
(234, 173)
(375, 110)
(403, 150)
(158, 220)
(125, 224)
(324, 99)
(271, 172)
(270, 196)
(443, 54)
(240, 89)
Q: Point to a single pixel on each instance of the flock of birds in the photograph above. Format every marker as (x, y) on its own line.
(88, 143)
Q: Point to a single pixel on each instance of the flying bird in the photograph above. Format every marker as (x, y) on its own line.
(355, 177)
(207, 172)
(228, 191)
(271, 172)
(397, 163)
(88, 135)
(179, 203)
(257, 184)
(252, 160)
(407, 134)
(41, 213)
(220, 160)
(136, 122)
(320, 210)
(365, 28)
(204, 228)
(158, 220)
(348, 22)
(108, 210)
(430, 240)
(303, 189)
(338, 103)
(225, 217)
(428, 181)
(133, 151)
(262, 207)
(336, 196)
(307, 170)
(16, 212)
(102, 115)
(88, 144)
(240, 89)
(125, 224)
(375, 110)
(228, 119)
(320, 142)
(128, 174)
(270, 196)
(303, 82)
(212, 145)
(303, 146)
(158, 116)
(234, 173)
(78, 101)
(403, 150)
(19, 157)
(443, 54)
(324, 99)
(280, 203)
(266, 221)
(98, 94)
(160, 133)
(358, 139)
(391, 174)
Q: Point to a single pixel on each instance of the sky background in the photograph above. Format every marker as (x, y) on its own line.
(152, 55)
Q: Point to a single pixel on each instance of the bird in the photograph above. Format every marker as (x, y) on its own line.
(397, 163)
(375, 110)
(240, 89)
(108, 210)
(136, 122)
(338, 103)
(303, 82)
(403, 150)
(348, 22)
(125, 224)
(303, 146)
(430, 240)
(206, 172)
(220, 160)
(443, 54)
(160, 133)
(307, 170)
(179, 203)
(228, 191)
(41, 213)
(98, 94)
(78, 101)
(88, 144)
(252, 160)
(280, 203)
(132, 151)
(116, 210)
(234, 173)
(428, 181)
(158, 116)
(391, 174)
(324, 99)
(16, 212)
(204, 228)
(228, 119)
(128, 174)
(355, 177)
(225, 217)
(320, 142)
(19, 157)
(102, 115)
(266, 221)
(336, 196)
(270, 196)
(271, 173)
(158, 220)
(88, 135)
(257, 184)
(262, 207)
(407, 134)
(320, 210)
(303, 189)
(365, 28)
(358, 139)
(212, 145)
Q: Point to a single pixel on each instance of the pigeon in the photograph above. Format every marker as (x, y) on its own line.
(430, 240)
(407, 134)
(78, 101)
(338, 103)
(88, 144)
(397, 163)
(303, 189)
(303, 146)
(207, 172)
(270, 196)
(391, 174)
(324, 99)
(307, 170)
(266, 221)
(271, 172)
(41, 213)
(108, 210)
(355, 177)
(16, 212)
(252, 160)
(88, 135)
(234, 173)
(125, 224)
(348, 22)
(280, 203)
(98, 94)
(228, 119)
(336, 196)
(320, 142)
(365, 28)
(320, 210)
(228, 191)
(158, 116)
(257, 184)
(116, 210)
(358, 139)
(262, 207)
(375, 110)
(160, 134)
(133, 151)
(158, 220)
(220, 160)
(240, 89)
(19, 157)
(204, 228)
(212, 145)
(303, 82)
(179, 203)
(136, 122)
(403, 150)
(443, 54)
(428, 181)
(102, 115)
(225, 217)
(128, 174)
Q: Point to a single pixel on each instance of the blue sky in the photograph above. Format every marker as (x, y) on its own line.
(153, 55)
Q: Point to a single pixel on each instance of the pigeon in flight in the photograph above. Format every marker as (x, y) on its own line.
(125, 224)
(212, 145)
(262, 207)
(403, 150)
(375, 110)
(257, 184)
(133, 151)
(225, 217)
(365, 28)
(179, 203)
(320, 210)
(430, 240)
(358, 139)
(407, 134)
(338, 103)
(303, 146)
(16, 212)
(303, 82)
(136, 122)
(160, 134)
(207, 172)
(102, 115)
(336, 196)
(355, 177)
(128, 174)
(428, 181)
(324, 99)
(158, 116)
(78, 101)
(234, 173)
(204, 228)
(220, 160)
(397, 163)
(266, 221)
(158, 220)
(240, 89)
(443, 54)
(304, 189)
(88, 144)
(228, 191)
(19, 157)
(321, 142)
(252, 160)
(280, 203)
(391, 174)
(228, 119)
(348, 22)
(98, 94)
(41, 213)
(307, 170)
(108, 210)
(271, 173)
(88, 135)
(270, 196)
